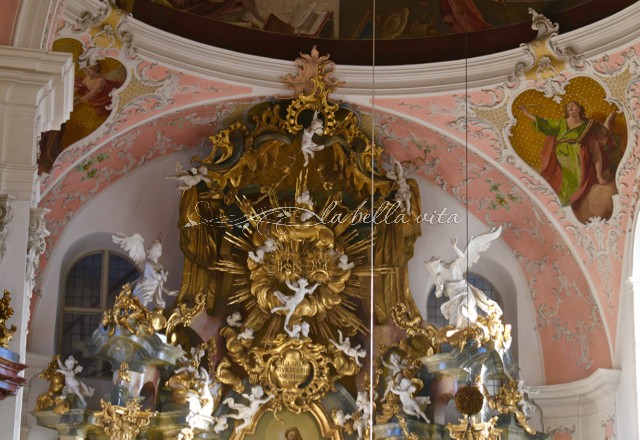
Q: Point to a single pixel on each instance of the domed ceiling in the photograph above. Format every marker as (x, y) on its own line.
(406, 31)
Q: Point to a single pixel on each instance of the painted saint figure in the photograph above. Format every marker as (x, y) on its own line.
(573, 157)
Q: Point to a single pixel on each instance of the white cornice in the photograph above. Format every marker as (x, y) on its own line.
(613, 31)
(598, 387)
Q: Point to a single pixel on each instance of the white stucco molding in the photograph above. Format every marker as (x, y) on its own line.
(36, 95)
(187, 55)
(576, 399)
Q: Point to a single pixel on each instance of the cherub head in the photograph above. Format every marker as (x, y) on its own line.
(435, 265)
(302, 282)
(70, 363)
(257, 392)
(155, 251)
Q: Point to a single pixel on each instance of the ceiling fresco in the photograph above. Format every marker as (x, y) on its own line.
(573, 264)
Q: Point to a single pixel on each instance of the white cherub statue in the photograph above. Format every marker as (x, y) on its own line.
(268, 246)
(150, 286)
(189, 178)
(220, 424)
(71, 384)
(403, 191)
(298, 330)
(309, 148)
(306, 203)
(234, 320)
(363, 406)
(247, 334)
(344, 345)
(291, 302)
(245, 413)
(344, 264)
(464, 299)
(395, 365)
(410, 405)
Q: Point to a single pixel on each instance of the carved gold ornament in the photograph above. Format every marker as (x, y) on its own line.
(123, 423)
(6, 333)
(52, 400)
(468, 429)
(129, 313)
(508, 400)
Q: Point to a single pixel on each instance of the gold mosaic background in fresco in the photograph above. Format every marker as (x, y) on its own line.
(84, 119)
(586, 91)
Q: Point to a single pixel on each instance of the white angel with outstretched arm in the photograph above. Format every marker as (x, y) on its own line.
(464, 299)
(191, 177)
(150, 286)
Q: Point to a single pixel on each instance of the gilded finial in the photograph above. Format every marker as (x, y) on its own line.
(124, 375)
(6, 333)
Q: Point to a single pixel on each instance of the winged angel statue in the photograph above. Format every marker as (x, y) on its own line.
(464, 299)
(150, 286)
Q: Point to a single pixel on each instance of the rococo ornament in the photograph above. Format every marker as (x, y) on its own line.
(6, 333)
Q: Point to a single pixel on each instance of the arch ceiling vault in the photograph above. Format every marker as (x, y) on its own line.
(574, 269)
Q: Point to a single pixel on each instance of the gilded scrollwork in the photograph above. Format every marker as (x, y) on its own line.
(123, 423)
(6, 312)
(128, 313)
(52, 400)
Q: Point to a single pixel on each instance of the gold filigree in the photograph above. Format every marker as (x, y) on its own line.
(129, 313)
(486, 329)
(183, 315)
(124, 375)
(407, 435)
(123, 423)
(468, 429)
(6, 333)
(507, 400)
(421, 336)
(52, 400)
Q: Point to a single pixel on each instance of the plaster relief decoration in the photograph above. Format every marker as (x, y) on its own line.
(110, 78)
(6, 215)
(36, 243)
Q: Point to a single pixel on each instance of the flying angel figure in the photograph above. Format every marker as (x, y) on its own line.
(189, 178)
(410, 404)
(268, 246)
(464, 299)
(290, 303)
(149, 288)
(309, 148)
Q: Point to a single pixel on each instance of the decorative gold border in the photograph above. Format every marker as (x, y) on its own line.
(327, 428)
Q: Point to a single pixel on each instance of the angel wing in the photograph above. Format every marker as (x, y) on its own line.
(179, 169)
(476, 246)
(481, 243)
(134, 246)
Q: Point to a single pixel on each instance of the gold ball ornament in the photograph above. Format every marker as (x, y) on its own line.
(469, 400)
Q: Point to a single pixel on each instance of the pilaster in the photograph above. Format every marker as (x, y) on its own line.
(36, 94)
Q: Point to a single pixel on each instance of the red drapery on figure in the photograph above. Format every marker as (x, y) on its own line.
(463, 16)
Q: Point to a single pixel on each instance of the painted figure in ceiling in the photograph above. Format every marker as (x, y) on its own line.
(574, 155)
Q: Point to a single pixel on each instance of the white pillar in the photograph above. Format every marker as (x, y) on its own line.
(36, 94)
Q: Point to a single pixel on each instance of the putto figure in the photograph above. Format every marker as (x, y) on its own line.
(464, 299)
(149, 288)
(309, 148)
(245, 413)
(189, 178)
(71, 384)
(291, 302)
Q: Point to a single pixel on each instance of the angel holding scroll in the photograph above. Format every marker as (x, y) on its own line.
(464, 299)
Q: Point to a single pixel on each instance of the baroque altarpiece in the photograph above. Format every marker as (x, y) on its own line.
(294, 319)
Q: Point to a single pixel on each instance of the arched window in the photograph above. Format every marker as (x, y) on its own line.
(91, 286)
(434, 314)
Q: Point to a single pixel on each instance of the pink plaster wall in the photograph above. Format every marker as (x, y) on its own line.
(7, 20)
